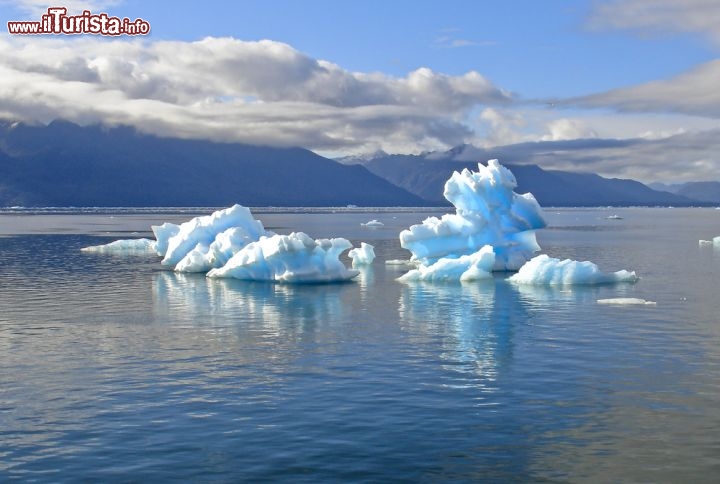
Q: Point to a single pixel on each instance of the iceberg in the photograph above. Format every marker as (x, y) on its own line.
(289, 258)
(124, 247)
(547, 270)
(231, 243)
(487, 212)
(471, 267)
(363, 255)
(373, 224)
(199, 233)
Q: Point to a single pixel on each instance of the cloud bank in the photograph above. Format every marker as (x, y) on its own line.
(225, 89)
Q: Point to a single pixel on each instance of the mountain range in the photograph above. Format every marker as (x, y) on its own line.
(704, 191)
(64, 164)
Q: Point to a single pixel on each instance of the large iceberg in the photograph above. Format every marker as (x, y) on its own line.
(487, 213)
(548, 270)
(231, 243)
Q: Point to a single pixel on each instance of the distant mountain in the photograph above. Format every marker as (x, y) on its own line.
(702, 191)
(64, 164)
(424, 175)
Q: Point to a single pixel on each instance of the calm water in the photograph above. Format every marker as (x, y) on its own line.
(112, 369)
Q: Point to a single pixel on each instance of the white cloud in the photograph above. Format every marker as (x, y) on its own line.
(693, 92)
(230, 90)
(505, 126)
(566, 129)
(659, 17)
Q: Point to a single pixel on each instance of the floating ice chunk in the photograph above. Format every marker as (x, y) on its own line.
(289, 258)
(471, 267)
(201, 232)
(705, 243)
(626, 301)
(547, 270)
(162, 236)
(363, 255)
(124, 247)
(487, 212)
(614, 217)
(373, 223)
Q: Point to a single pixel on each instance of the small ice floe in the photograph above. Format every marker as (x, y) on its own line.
(545, 270)
(124, 247)
(627, 301)
(613, 217)
(363, 255)
(705, 243)
(373, 223)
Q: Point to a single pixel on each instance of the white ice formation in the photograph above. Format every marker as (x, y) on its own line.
(626, 301)
(470, 267)
(547, 270)
(363, 255)
(124, 247)
(373, 223)
(227, 231)
(289, 258)
(231, 243)
(715, 242)
(487, 213)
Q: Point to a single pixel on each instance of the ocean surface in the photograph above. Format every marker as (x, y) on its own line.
(113, 369)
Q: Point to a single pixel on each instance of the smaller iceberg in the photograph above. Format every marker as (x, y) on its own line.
(373, 223)
(547, 270)
(471, 267)
(124, 247)
(715, 242)
(627, 301)
(363, 255)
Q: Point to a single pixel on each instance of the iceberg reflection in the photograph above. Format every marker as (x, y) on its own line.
(194, 300)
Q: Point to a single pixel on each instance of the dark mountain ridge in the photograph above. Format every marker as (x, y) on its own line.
(63, 164)
(424, 175)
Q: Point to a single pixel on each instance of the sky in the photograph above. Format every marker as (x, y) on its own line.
(621, 88)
